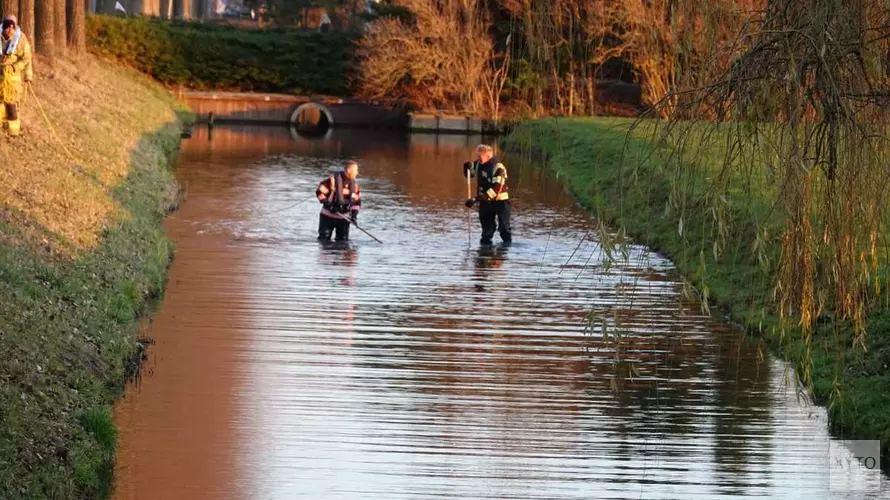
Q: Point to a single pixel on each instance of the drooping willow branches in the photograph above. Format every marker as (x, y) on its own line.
(799, 108)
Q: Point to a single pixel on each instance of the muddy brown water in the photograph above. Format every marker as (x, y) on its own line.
(427, 367)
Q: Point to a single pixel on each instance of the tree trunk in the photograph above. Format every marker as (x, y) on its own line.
(26, 19)
(10, 7)
(61, 30)
(77, 36)
(571, 104)
(165, 9)
(46, 27)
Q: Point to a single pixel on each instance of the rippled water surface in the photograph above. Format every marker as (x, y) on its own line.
(427, 367)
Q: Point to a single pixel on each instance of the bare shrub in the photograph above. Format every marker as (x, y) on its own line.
(670, 43)
(441, 60)
(569, 42)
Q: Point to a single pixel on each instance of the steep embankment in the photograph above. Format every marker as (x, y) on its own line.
(614, 171)
(82, 252)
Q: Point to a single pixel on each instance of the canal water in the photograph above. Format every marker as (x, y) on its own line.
(428, 367)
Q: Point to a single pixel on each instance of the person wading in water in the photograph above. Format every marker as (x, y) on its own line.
(492, 194)
(340, 198)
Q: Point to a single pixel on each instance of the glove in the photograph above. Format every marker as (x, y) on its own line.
(343, 208)
(467, 167)
(480, 198)
(469, 203)
(353, 216)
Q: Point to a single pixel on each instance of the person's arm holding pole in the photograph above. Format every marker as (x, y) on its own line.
(469, 205)
(468, 168)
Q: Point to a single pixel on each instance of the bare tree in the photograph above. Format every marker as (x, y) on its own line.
(10, 7)
(569, 41)
(60, 32)
(499, 74)
(26, 19)
(178, 9)
(439, 61)
(76, 16)
(564, 44)
(46, 27)
(666, 40)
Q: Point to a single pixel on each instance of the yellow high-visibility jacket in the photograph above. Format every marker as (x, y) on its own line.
(491, 179)
(16, 64)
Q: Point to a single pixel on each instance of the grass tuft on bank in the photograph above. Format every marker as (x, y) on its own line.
(614, 171)
(82, 255)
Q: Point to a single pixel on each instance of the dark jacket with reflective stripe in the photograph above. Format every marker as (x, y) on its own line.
(339, 190)
(491, 179)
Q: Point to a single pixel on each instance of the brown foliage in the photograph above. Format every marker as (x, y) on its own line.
(672, 45)
(568, 42)
(441, 61)
(564, 42)
(446, 59)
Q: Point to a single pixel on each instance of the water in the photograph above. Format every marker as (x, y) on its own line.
(428, 368)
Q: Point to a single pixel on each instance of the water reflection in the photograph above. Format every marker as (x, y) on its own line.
(488, 258)
(422, 368)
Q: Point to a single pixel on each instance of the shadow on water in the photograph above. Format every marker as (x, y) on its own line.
(427, 368)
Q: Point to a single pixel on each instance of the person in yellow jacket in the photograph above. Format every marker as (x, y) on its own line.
(15, 58)
(493, 196)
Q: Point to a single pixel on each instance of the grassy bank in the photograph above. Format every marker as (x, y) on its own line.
(614, 171)
(82, 253)
(214, 57)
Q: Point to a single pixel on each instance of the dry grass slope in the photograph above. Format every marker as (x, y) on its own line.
(78, 146)
(82, 255)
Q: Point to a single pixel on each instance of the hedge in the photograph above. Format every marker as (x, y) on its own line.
(210, 57)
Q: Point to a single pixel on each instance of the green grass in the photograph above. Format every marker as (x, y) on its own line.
(69, 325)
(616, 173)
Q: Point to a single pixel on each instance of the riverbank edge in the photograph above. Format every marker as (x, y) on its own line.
(168, 142)
(126, 274)
(569, 155)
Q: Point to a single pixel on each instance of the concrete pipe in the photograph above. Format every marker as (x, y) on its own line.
(312, 118)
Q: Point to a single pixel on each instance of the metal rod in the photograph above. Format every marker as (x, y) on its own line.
(469, 215)
(354, 223)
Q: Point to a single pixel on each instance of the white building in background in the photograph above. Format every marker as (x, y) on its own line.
(197, 9)
(192, 9)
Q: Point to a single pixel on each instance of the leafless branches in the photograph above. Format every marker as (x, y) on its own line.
(441, 61)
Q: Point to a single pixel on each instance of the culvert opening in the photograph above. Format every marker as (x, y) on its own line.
(312, 118)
